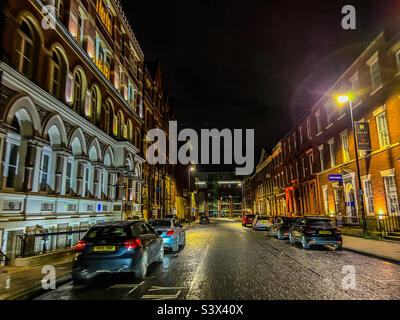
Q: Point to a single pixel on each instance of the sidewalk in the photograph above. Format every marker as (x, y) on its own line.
(389, 250)
(17, 283)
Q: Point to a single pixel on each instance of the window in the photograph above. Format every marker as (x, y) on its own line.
(294, 141)
(383, 131)
(321, 156)
(60, 8)
(56, 75)
(368, 196)
(297, 170)
(24, 50)
(107, 115)
(44, 171)
(310, 159)
(345, 148)
(392, 201)
(68, 178)
(11, 167)
(301, 135)
(332, 153)
(77, 102)
(375, 72)
(87, 179)
(308, 129)
(304, 167)
(94, 106)
(318, 119)
(131, 95)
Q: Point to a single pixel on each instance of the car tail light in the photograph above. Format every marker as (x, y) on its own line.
(132, 244)
(80, 245)
(170, 233)
(309, 231)
(336, 231)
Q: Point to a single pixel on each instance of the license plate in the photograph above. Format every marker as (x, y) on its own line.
(104, 248)
(249, 224)
(324, 232)
(264, 221)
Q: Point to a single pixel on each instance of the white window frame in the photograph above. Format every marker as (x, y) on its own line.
(345, 146)
(46, 152)
(374, 60)
(311, 160)
(318, 120)
(321, 156)
(369, 200)
(309, 129)
(383, 132)
(332, 152)
(11, 139)
(391, 193)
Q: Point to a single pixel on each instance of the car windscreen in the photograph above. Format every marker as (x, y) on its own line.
(111, 232)
(319, 223)
(160, 223)
(250, 216)
(263, 218)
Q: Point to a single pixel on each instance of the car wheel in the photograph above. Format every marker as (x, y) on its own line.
(304, 243)
(141, 273)
(160, 257)
(291, 239)
(279, 235)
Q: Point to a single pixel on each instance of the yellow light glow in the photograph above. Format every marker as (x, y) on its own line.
(342, 99)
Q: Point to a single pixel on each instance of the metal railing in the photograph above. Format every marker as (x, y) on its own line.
(41, 243)
(4, 260)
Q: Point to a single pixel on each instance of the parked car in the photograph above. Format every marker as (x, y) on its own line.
(281, 227)
(247, 220)
(171, 232)
(311, 231)
(261, 222)
(204, 219)
(124, 246)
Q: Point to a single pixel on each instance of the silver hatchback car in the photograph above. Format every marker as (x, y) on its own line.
(171, 232)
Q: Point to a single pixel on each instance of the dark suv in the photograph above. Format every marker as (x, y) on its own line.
(311, 231)
(123, 246)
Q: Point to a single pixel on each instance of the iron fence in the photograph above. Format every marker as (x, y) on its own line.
(46, 242)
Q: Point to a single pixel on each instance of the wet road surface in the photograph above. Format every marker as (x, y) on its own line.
(224, 260)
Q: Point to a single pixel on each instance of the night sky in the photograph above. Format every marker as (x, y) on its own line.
(252, 64)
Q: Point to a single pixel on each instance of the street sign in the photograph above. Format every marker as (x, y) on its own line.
(335, 177)
(362, 134)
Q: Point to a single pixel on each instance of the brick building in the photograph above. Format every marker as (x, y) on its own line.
(322, 144)
(72, 122)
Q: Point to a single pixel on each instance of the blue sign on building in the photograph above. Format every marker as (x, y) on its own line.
(335, 177)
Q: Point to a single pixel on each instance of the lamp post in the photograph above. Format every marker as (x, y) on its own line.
(190, 195)
(343, 99)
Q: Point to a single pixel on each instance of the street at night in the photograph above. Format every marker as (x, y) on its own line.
(225, 261)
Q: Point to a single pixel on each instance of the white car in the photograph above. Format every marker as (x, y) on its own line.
(171, 232)
(261, 222)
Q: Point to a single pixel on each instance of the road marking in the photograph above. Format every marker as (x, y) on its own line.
(125, 286)
(155, 288)
(161, 296)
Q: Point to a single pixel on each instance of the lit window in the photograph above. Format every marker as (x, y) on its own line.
(392, 201)
(368, 196)
(44, 171)
(383, 131)
(11, 165)
(24, 50)
(345, 148)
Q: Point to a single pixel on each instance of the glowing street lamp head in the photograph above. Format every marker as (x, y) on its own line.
(192, 168)
(344, 98)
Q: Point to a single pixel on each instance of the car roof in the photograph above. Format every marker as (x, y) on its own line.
(117, 223)
(316, 218)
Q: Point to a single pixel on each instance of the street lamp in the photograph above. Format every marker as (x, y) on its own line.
(341, 100)
(192, 168)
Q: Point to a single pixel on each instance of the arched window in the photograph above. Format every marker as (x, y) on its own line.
(137, 138)
(130, 131)
(93, 106)
(24, 49)
(55, 86)
(107, 116)
(77, 102)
